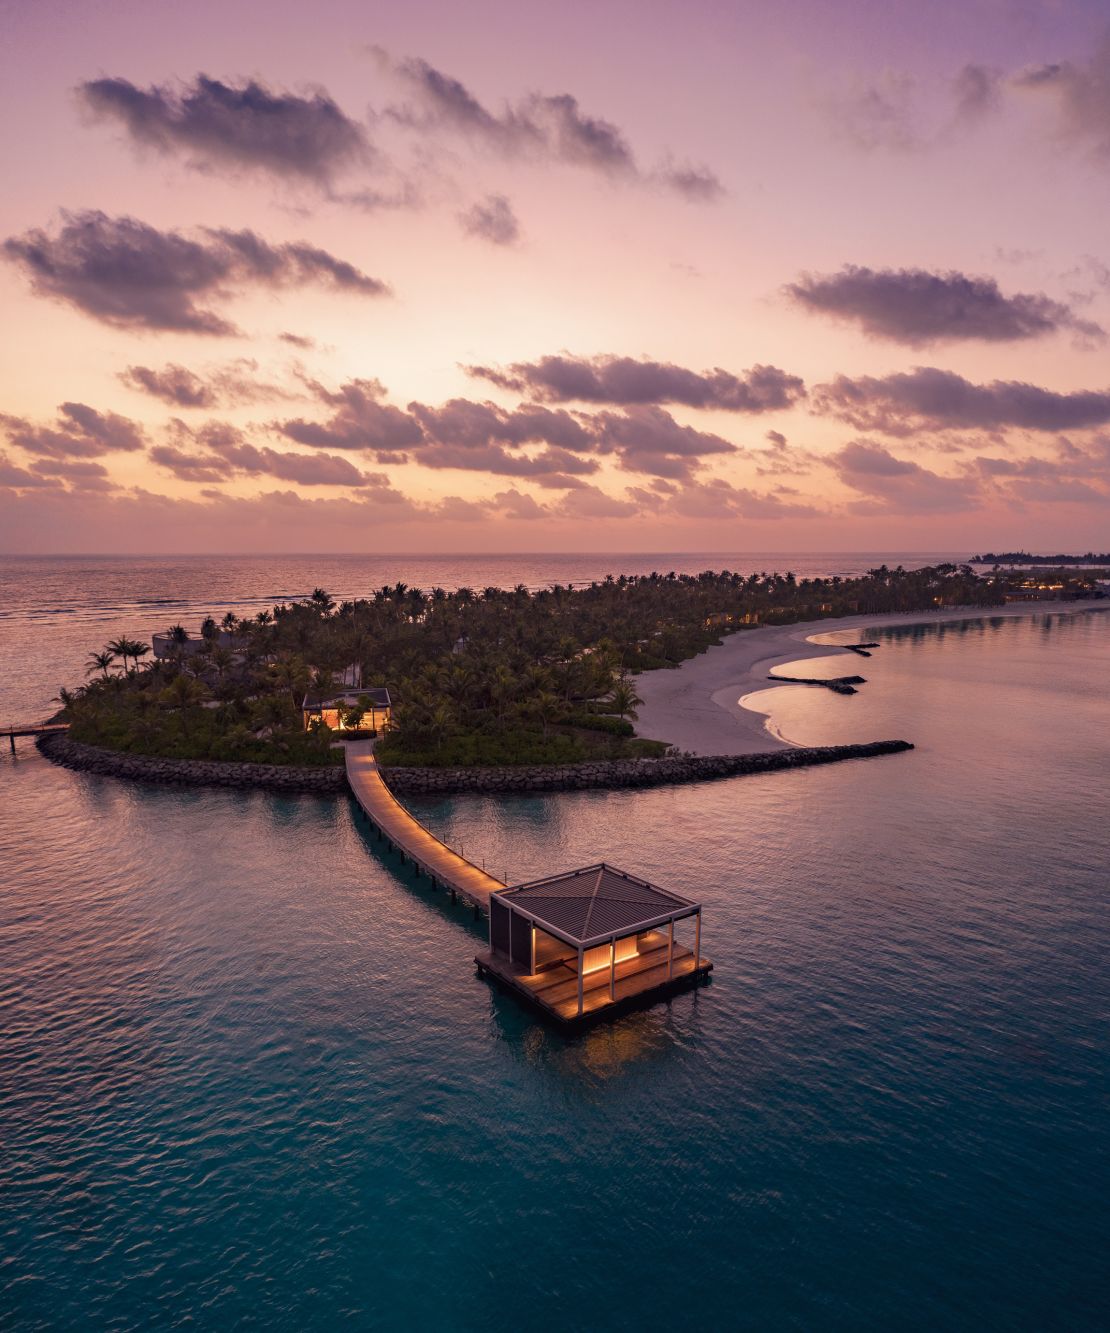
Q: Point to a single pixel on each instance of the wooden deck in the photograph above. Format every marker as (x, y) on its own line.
(31, 729)
(555, 990)
(406, 833)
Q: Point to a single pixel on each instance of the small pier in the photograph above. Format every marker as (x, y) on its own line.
(409, 837)
(578, 946)
(13, 731)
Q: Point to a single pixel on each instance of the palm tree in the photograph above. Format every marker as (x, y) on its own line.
(229, 622)
(209, 630)
(100, 662)
(67, 698)
(322, 602)
(623, 700)
(121, 647)
(138, 649)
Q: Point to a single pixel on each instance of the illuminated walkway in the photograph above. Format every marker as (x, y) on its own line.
(406, 833)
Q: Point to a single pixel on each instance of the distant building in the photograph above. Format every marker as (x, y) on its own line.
(331, 708)
(1030, 591)
(164, 645)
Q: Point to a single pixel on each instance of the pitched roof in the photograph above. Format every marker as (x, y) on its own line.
(597, 901)
(377, 694)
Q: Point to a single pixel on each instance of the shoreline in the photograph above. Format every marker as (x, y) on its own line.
(602, 774)
(699, 706)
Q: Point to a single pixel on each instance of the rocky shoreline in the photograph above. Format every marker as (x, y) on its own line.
(612, 774)
(615, 774)
(191, 772)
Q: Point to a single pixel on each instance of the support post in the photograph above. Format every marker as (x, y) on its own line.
(697, 939)
(613, 968)
(532, 961)
(580, 963)
(670, 951)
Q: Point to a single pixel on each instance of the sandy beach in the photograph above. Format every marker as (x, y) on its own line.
(697, 707)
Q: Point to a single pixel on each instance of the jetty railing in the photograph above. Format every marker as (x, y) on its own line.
(410, 837)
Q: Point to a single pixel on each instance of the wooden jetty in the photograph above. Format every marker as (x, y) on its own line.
(405, 832)
(579, 946)
(32, 729)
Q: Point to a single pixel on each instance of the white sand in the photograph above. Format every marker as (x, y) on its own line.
(697, 707)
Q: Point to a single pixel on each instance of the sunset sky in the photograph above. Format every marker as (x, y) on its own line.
(604, 276)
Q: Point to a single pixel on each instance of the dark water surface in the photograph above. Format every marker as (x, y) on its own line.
(249, 1078)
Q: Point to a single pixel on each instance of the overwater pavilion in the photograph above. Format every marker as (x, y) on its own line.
(591, 941)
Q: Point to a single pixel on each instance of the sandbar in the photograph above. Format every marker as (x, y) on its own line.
(697, 707)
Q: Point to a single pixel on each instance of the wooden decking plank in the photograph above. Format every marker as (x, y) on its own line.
(406, 832)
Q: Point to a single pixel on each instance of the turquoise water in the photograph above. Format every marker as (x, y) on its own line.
(249, 1078)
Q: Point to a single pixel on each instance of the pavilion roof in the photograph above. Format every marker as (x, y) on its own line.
(596, 902)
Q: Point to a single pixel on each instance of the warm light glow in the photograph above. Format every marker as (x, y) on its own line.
(593, 960)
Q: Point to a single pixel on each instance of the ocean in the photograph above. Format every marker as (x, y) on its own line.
(249, 1078)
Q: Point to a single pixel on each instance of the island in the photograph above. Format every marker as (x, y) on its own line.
(461, 679)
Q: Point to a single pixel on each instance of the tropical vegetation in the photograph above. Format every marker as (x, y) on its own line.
(477, 677)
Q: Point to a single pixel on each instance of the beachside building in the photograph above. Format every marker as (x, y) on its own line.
(590, 941)
(332, 708)
(165, 646)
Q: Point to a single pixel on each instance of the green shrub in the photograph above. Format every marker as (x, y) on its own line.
(613, 726)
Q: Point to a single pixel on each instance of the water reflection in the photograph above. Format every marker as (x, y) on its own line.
(643, 1040)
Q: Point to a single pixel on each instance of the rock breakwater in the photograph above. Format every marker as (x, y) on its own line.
(620, 773)
(190, 772)
(614, 774)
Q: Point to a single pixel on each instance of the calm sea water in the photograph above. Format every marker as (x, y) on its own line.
(249, 1078)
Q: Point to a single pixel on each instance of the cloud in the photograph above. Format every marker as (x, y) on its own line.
(517, 504)
(918, 308)
(593, 502)
(927, 399)
(126, 273)
(624, 381)
(539, 126)
(890, 112)
(79, 431)
(1081, 93)
(360, 420)
(697, 184)
(482, 437)
(79, 473)
(649, 440)
(298, 340)
(718, 498)
(230, 385)
(12, 476)
(549, 445)
(219, 126)
(218, 452)
(876, 112)
(976, 93)
(896, 485)
(172, 384)
(493, 220)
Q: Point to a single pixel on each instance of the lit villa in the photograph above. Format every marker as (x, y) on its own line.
(580, 945)
(333, 708)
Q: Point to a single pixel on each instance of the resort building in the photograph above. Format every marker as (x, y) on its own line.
(166, 646)
(334, 709)
(580, 944)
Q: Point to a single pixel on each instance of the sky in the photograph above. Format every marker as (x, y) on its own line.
(609, 276)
